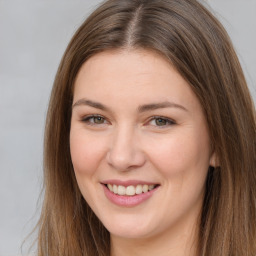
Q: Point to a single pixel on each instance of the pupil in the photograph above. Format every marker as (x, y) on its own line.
(160, 121)
(98, 120)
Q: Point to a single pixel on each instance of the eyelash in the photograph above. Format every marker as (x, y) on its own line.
(167, 121)
(86, 119)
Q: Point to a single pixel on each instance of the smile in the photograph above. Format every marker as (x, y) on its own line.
(128, 193)
(130, 190)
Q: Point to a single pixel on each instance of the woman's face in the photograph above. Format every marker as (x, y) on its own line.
(139, 144)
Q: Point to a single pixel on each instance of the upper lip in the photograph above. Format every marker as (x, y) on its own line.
(128, 182)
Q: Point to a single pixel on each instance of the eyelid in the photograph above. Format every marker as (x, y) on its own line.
(85, 119)
(167, 119)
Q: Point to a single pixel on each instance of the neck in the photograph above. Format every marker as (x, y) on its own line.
(178, 242)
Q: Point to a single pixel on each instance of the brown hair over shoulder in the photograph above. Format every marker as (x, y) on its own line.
(196, 44)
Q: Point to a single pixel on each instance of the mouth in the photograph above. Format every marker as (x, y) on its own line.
(129, 193)
(130, 190)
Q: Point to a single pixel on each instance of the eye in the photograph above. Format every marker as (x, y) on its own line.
(94, 120)
(161, 121)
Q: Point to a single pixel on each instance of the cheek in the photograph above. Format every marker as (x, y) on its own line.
(86, 152)
(181, 153)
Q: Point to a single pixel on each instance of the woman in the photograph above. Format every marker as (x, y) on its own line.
(150, 138)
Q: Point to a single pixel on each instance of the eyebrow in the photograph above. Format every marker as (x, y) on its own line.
(90, 103)
(142, 108)
(165, 104)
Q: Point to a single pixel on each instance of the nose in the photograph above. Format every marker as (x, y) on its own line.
(125, 152)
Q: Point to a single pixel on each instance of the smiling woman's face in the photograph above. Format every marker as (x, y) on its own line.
(139, 144)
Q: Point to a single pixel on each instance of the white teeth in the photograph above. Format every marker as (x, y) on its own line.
(145, 188)
(121, 190)
(150, 187)
(110, 187)
(130, 190)
(138, 189)
(115, 189)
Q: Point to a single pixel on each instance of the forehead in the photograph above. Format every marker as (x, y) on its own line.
(135, 63)
(133, 74)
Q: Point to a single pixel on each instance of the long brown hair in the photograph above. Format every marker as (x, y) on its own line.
(196, 44)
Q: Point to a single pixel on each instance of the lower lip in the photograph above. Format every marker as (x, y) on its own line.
(128, 201)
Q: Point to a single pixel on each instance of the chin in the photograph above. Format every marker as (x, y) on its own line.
(129, 229)
(129, 233)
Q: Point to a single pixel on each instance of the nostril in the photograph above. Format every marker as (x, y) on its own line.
(125, 159)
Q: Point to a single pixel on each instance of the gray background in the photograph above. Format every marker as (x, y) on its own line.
(33, 37)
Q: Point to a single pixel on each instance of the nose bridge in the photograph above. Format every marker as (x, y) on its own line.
(125, 151)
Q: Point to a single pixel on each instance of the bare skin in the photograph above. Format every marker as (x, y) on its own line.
(136, 120)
